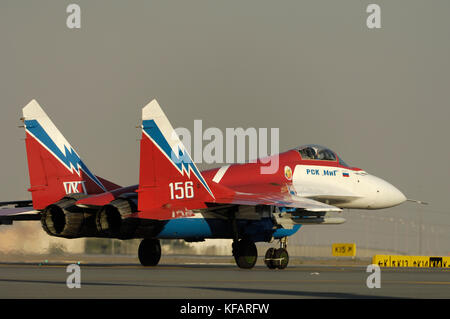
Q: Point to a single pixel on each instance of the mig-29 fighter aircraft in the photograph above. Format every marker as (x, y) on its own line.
(174, 200)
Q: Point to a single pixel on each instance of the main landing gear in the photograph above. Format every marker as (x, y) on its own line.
(244, 250)
(277, 258)
(149, 252)
(245, 253)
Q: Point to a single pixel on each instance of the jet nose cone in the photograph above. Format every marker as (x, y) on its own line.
(395, 196)
(388, 195)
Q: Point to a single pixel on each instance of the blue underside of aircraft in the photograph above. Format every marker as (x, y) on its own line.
(200, 228)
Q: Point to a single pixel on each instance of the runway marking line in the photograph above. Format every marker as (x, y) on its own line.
(319, 268)
(277, 281)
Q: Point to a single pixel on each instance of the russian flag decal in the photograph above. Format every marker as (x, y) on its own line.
(345, 174)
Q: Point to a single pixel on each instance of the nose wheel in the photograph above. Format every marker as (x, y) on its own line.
(277, 258)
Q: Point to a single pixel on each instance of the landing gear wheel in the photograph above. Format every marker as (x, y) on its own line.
(149, 252)
(281, 258)
(268, 260)
(245, 253)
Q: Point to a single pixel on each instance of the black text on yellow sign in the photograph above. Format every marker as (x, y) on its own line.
(344, 249)
(411, 261)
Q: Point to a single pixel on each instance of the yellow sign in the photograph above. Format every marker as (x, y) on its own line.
(348, 249)
(411, 261)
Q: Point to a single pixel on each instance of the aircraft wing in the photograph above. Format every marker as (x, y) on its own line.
(301, 192)
(306, 210)
(167, 212)
(230, 198)
(279, 200)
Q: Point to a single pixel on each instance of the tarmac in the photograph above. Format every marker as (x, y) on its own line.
(204, 277)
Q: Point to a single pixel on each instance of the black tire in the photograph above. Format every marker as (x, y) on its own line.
(281, 257)
(270, 253)
(245, 254)
(149, 252)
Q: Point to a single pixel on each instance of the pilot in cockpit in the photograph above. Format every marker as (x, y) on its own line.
(321, 155)
(325, 155)
(313, 152)
(309, 153)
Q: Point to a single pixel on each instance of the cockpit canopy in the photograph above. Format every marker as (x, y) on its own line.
(320, 153)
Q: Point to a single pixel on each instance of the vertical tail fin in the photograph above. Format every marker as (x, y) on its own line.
(54, 166)
(167, 173)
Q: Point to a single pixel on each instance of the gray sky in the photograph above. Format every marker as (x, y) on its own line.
(380, 98)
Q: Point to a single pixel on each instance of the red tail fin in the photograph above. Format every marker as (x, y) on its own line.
(54, 166)
(167, 172)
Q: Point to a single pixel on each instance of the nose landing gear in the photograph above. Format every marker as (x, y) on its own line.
(277, 258)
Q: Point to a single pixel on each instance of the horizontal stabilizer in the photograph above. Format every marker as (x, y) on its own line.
(17, 203)
(8, 215)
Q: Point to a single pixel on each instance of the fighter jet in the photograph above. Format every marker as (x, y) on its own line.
(175, 200)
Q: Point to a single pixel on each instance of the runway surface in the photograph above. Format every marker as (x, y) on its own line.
(190, 281)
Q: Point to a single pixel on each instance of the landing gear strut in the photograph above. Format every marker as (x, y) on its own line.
(149, 252)
(277, 258)
(244, 250)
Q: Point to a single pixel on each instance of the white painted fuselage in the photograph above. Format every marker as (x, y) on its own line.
(345, 188)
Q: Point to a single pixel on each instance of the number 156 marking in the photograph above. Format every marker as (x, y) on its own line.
(181, 190)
